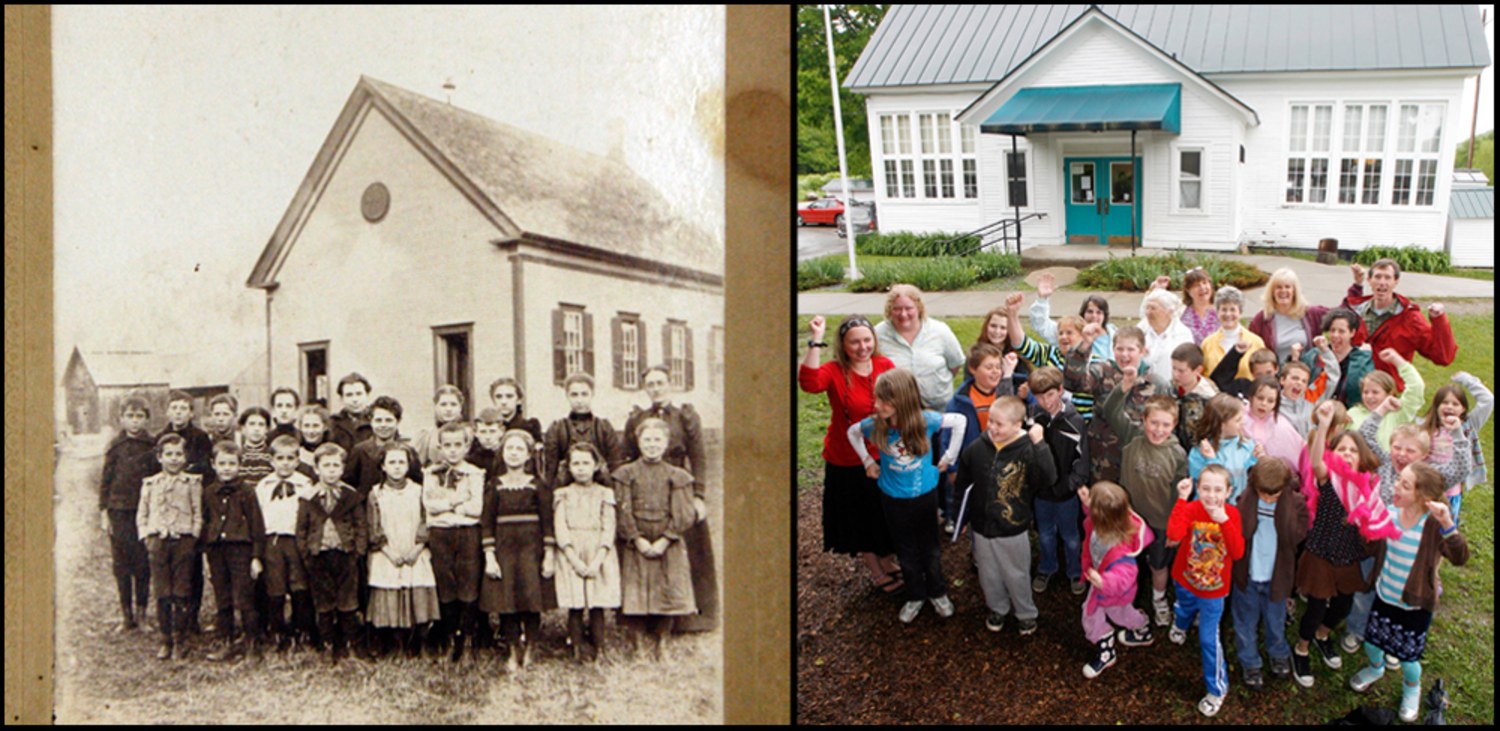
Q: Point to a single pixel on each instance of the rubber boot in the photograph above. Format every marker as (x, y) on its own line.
(326, 630)
(181, 624)
(127, 617)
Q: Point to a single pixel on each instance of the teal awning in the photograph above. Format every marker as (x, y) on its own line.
(1089, 108)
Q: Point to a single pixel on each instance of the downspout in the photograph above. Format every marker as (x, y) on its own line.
(270, 293)
(1016, 210)
(1135, 180)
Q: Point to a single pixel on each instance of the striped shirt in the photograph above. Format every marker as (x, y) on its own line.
(1040, 355)
(1399, 556)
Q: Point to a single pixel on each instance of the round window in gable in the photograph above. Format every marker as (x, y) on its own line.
(375, 202)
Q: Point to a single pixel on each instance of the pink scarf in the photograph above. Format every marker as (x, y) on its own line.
(1357, 491)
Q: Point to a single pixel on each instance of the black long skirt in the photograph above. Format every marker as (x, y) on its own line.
(853, 521)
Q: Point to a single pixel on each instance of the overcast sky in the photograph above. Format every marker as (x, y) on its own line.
(182, 135)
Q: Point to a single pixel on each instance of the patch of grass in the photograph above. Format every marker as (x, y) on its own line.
(1303, 254)
(1136, 273)
(936, 274)
(1487, 275)
(1461, 643)
(820, 272)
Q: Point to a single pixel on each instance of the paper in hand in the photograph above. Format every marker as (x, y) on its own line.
(958, 526)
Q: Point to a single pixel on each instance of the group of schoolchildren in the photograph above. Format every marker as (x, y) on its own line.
(383, 544)
(1247, 490)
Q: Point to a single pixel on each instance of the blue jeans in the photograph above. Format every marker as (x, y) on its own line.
(1248, 608)
(1052, 520)
(1215, 671)
(1363, 602)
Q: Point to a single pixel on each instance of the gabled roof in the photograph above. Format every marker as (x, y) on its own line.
(117, 368)
(529, 186)
(961, 44)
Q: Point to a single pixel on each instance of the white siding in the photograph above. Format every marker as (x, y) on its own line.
(375, 290)
(1472, 242)
(1265, 215)
(908, 214)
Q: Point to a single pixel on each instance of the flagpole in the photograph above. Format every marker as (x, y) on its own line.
(838, 126)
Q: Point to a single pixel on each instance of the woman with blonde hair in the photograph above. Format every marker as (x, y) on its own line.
(1287, 323)
(926, 348)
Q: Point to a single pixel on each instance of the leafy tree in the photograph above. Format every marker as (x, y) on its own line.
(817, 148)
(1484, 155)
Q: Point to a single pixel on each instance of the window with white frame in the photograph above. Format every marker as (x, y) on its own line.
(1189, 179)
(629, 350)
(970, 161)
(1419, 133)
(1362, 143)
(1308, 151)
(677, 343)
(934, 167)
(572, 341)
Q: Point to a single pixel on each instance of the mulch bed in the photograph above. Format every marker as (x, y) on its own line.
(856, 663)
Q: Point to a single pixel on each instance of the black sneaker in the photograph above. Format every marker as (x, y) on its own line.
(1028, 626)
(1253, 679)
(1328, 649)
(1101, 661)
(1302, 669)
(995, 622)
(1281, 667)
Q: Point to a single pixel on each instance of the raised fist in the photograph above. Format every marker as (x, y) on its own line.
(1434, 310)
(819, 326)
(1390, 355)
(1207, 449)
(1014, 300)
(1184, 488)
(1320, 342)
(1358, 272)
(1036, 433)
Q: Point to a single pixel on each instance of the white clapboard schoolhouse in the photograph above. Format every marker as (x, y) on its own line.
(1278, 125)
(430, 245)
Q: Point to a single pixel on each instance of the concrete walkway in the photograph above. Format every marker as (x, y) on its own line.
(1321, 284)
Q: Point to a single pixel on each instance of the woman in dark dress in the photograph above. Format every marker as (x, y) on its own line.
(685, 450)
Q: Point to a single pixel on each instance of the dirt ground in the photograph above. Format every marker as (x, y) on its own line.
(857, 663)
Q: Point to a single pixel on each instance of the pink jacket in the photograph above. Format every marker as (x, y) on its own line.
(1119, 576)
(1361, 498)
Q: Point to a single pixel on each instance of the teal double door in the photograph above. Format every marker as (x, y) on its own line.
(1101, 193)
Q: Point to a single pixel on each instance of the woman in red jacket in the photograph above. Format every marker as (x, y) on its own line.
(852, 519)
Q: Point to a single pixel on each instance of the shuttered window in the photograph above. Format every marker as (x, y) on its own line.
(677, 346)
(628, 345)
(572, 341)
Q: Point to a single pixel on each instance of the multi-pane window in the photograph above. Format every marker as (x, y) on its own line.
(629, 335)
(1015, 178)
(1308, 148)
(677, 343)
(572, 341)
(1418, 140)
(716, 359)
(1190, 179)
(1358, 156)
(934, 167)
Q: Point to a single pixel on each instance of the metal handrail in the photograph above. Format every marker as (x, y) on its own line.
(1001, 226)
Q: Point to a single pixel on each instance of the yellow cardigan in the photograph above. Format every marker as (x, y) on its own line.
(1213, 352)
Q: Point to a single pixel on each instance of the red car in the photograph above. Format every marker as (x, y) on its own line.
(824, 212)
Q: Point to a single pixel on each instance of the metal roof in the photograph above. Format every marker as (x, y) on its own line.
(957, 44)
(1472, 203)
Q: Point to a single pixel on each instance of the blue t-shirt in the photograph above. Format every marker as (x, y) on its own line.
(902, 475)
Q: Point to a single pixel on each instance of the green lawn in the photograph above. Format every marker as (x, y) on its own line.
(1460, 648)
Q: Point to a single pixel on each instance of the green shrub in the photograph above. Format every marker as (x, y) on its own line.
(820, 272)
(1411, 258)
(936, 274)
(911, 244)
(1135, 274)
(988, 265)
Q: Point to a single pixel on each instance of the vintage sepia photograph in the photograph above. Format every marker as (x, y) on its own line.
(390, 355)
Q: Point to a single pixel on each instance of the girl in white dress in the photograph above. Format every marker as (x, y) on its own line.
(588, 571)
(403, 591)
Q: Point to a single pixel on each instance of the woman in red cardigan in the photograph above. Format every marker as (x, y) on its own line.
(1286, 322)
(852, 518)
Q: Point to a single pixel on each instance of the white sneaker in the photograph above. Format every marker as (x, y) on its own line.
(1210, 704)
(1163, 611)
(909, 611)
(1177, 636)
(943, 606)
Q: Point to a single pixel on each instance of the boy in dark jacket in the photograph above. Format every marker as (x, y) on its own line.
(1057, 503)
(129, 460)
(989, 379)
(332, 535)
(233, 538)
(1005, 471)
(1273, 520)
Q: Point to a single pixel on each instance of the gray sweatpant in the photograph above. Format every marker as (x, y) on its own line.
(1005, 574)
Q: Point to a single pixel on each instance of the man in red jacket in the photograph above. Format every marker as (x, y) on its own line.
(1393, 321)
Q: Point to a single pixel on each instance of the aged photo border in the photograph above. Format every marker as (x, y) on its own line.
(757, 153)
